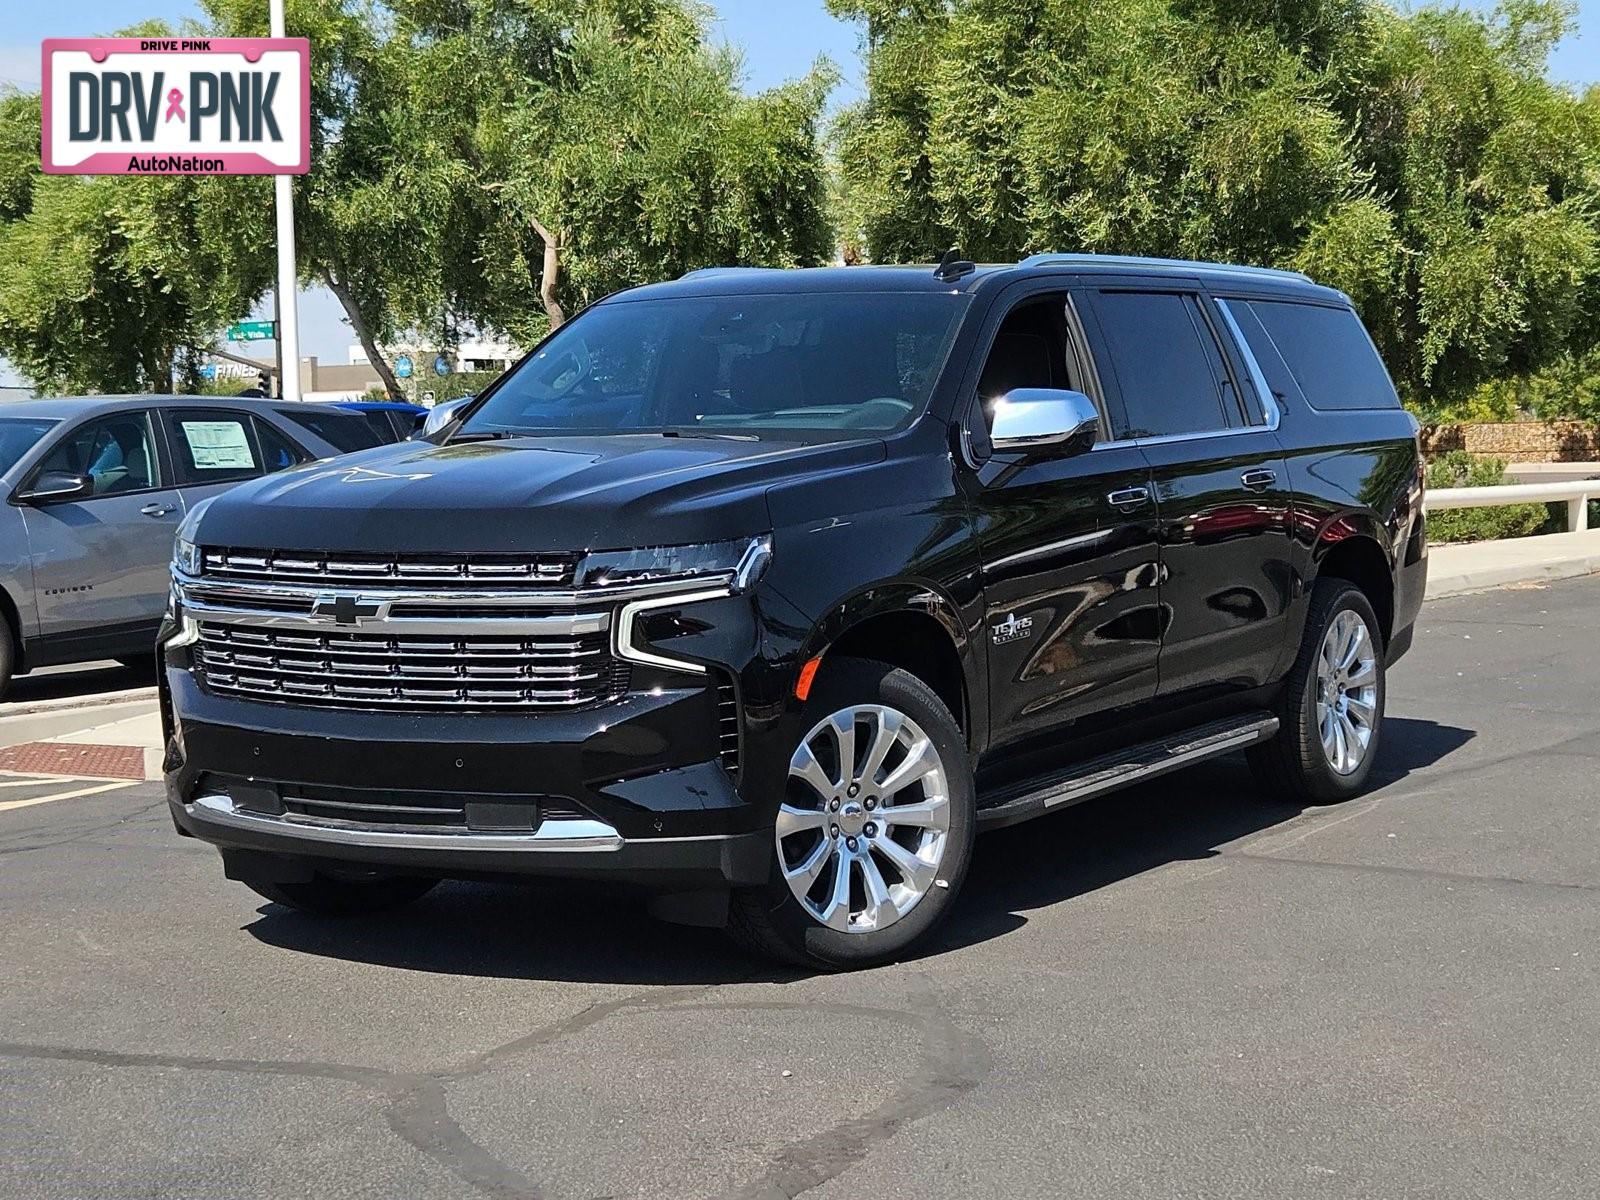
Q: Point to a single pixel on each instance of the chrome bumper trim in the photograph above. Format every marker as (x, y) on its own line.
(552, 836)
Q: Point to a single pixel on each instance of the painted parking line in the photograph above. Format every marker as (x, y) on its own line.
(50, 798)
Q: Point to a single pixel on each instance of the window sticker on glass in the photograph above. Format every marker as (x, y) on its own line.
(218, 445)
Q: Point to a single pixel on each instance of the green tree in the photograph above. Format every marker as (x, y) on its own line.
(1143, 126)
(495, 164)
(1424, 163)
(1480, 260)
(109, 282)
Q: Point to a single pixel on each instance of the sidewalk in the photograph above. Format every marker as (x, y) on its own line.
(127, 748)
(1479, 565)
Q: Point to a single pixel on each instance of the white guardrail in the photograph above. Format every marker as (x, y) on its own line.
(1575, 494)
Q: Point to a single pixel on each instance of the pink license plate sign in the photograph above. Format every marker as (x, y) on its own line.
(177, 106)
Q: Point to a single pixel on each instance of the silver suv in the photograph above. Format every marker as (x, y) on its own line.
(97, 487)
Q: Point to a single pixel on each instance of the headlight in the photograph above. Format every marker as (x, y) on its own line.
(186, 555)
(744, 560)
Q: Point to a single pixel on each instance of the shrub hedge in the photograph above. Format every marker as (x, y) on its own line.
(1457, 469)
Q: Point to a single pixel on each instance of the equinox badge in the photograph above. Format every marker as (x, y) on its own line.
(349, 610)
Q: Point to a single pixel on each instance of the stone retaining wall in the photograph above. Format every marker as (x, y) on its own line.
(1518, 441)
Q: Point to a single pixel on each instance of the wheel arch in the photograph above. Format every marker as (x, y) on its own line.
(1359, 558)
(914, 628)
(13, 620)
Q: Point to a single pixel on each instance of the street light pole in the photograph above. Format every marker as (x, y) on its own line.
(288, 284)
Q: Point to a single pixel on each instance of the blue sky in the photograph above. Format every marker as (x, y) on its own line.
(780, 39)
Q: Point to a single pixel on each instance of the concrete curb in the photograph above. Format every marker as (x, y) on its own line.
(61, 704)
(1455, 570)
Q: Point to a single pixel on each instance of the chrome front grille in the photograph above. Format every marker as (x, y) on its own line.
(383, 669)
(452, 571)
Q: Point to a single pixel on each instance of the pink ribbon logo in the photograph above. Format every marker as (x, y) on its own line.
(175, 105)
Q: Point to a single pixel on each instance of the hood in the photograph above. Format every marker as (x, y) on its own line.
(526, 495)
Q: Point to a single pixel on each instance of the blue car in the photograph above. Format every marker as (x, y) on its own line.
(391, 420)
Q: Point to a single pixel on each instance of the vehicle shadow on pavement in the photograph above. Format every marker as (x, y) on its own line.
(543, 929)
(85, 682)
(1185, 816)
(556, 930)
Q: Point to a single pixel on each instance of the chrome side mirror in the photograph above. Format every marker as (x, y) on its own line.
(441, 416)
(1044, 419)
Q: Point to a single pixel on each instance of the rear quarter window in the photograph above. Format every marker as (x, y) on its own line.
(345, 432)
(1328, 352)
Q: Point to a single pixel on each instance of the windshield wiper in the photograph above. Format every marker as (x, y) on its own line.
(484, 435)
(706, 433)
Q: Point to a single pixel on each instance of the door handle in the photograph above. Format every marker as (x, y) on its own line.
(1129, 497)
(158, 510)
(1258, 480)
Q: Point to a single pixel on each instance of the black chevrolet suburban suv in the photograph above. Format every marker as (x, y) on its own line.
(766, 591)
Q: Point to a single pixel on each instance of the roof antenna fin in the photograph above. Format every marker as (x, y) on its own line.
(953, 267)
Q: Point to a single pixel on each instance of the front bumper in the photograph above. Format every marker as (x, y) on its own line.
(632, 792)
(594, 851)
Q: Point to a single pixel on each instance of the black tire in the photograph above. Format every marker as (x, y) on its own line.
(8, 657)
(1293, 765)
(331, 896)
(769, 920)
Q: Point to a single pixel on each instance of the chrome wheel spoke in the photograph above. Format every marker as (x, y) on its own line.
(1364, 674)
(880, 910)
(836, 914)
(803, 876)
(933, 813)
(844, 737)
(917, 874)
(793, 820)
(921, 759)
(889, 726)
(804, 766)
(1357, 639)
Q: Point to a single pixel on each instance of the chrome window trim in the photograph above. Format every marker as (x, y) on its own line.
(1122, 443)
(556, 835)
(1258, 380)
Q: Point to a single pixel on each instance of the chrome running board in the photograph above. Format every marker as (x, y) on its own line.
(1083, 781)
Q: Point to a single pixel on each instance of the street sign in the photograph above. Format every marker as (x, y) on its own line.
(252, 331)
(403, 366)
(441, 365)
(177, 106)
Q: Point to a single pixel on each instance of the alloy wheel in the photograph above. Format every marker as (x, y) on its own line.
(865, 819)
(1347, 692)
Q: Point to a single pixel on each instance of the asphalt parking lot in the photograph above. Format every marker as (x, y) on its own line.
(1187, 990)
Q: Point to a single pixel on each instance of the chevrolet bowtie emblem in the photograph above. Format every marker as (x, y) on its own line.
(345, 609)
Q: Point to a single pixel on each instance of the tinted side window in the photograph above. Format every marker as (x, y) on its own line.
(118, 453)
(278, 453)
(1166, 363)
(1329, 354)
(345, 432)
(212, 447)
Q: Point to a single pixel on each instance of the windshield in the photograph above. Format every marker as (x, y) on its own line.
(18, 435)
(814, 367)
